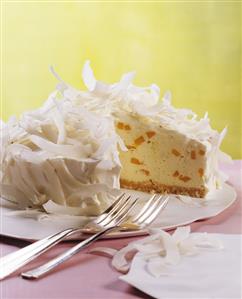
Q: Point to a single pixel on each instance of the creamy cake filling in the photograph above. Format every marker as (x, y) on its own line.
(160, 159)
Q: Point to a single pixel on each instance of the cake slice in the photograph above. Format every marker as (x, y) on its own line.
(169, 150)
(159, 159)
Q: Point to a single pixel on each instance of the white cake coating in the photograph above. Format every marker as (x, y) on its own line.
(66, 152)
(60, 152)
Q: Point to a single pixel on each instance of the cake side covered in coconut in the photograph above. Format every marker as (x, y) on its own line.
(60, 155)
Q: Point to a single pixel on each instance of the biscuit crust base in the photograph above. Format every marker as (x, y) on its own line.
(154, 187)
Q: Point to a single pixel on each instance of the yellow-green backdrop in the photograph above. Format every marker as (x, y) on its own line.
(190, 48)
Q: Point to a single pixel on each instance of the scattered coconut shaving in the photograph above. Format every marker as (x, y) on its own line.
(161, 250)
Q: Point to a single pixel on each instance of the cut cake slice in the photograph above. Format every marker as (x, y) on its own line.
(160, 159)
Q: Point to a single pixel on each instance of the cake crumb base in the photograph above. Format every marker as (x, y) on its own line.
(154, 187)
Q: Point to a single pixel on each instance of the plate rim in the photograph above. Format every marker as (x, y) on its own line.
(129, 234)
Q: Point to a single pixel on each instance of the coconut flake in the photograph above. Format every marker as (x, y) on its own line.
(161, 251)
(88, 76)
(181, 233)
(104, 251)
(126, 80)
(122, 259)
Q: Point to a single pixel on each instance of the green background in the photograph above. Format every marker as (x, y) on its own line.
(192, 49)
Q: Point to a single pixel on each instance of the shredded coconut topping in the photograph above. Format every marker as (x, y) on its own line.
(60, 153)
(145, 101)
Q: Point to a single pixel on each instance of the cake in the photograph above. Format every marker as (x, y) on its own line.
(161, 160)
(77, 150)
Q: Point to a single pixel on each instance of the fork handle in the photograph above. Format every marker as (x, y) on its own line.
(13, 261)
(47, 267)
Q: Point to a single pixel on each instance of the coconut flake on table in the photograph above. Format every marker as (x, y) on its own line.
(161, 250)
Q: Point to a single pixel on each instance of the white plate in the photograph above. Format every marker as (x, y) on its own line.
(178, 212)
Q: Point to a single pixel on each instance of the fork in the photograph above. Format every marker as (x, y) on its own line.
(108, 221)
(13, 261)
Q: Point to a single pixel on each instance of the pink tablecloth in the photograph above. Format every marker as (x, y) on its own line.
(88, 276)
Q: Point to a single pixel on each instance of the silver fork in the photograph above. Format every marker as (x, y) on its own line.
(14, 261)
(106, 223)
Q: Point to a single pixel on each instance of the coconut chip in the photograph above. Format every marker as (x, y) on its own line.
(161, 251)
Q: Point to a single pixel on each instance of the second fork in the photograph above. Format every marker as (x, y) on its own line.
(113, 221)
